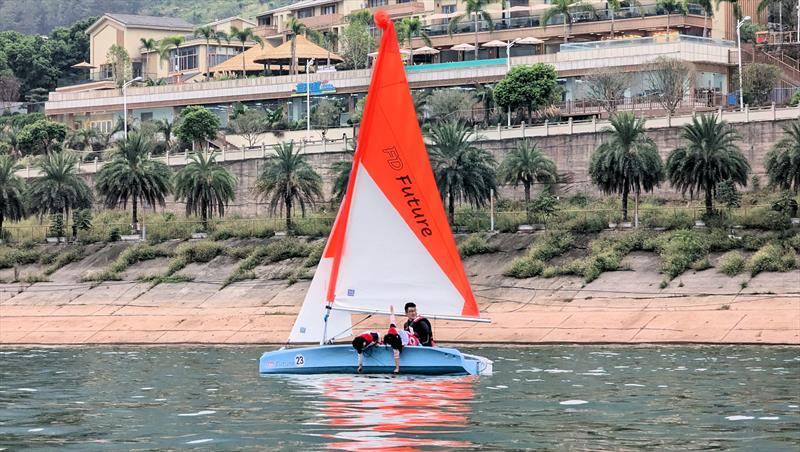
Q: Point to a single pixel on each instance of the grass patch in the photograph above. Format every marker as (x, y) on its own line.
(771, 258)
(134, 254)
(732, 263)
(236, 228)
(314, 255)
(605, 254)
(187, 253)
(34, 278)
(9, 257)
(701, 264)
(548, 246)
(680, 249)
(101, 276)
(155, 280)
(475, 244)
(66, 257)
(279, 250)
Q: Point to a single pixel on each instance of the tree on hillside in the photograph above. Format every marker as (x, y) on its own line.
(133, 175)
(355, 41)
(250, 125)
(567, 9)
(463, 171)
(475, 10)
(59, 189)
(530, 87)
(41, 137)
(82, 138)
(12, 192)
(288, 180)
(341, 173)
(526, 164)
(627, 162)
(709, 157)
(783, 160)
(197, 125)
(670, 79)
(9, 87)
(607, 87)
(243, 35)
(759, 81)
(121, 66)
(450, 104)
(325, 114)
(206, 186)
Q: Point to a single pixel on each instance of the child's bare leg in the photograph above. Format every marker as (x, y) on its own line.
(360, 362)
(396, 361)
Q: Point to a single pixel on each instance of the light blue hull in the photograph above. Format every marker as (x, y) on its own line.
(343, 359)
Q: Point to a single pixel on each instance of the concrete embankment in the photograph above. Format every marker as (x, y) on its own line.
(618, 307)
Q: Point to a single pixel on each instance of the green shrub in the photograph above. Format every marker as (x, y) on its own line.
(282, 249)
(547, 246)
(667, 219)
(314, 255)
(186, 253)
(56, 226)
(34, 278)
(679, 249)
(605, 254)
(9, 257)
(176, 264)
(239, 252)
(64, 258)
(794, 240)
(137, 253)
(114, 235)
(765, 219)
(475, 244)
(100, 276)
(701, 264)
(155, 280)
(771, 258)
(581, 224)
(235, 228)
(732, 263)
(312, 226)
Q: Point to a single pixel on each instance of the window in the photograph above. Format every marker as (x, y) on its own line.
(106, 72)
(328, 9)
(265, 21)
(448, 9)
(219, 54)
(137, 68)
(374, 3)
(183, 59)
(403, 1)
(101, 126)
(303, 13)
(146, 116)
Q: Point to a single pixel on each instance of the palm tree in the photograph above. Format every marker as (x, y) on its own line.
(82, 138)
(208, 33)
(710, 157)
(206, 186)
(614, 6)
(409, 28)
(59, 189)
(244, 35)
(288, 179)
(165, 46)
(131, 174)
(12, 192)
(671, 7)
(476, 8)
(463, 171)
(295, 27)
(485, 94)
(149, 45)
(783, 161)
(764, 4)
(341, 173)
(708, 11)
(526, 164)
(628, 161)
(737, 9)
(10, 135)
(567, 8)
(166, 128)
(420, 99)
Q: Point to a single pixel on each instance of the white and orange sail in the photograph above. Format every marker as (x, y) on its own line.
(391, 242)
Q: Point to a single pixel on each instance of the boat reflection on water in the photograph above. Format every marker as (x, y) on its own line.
(362, 412)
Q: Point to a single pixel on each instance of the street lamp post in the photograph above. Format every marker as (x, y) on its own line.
(739, 45)
(509, 44)
(125, 105)
(309, 62)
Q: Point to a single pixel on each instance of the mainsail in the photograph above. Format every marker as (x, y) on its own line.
(391, 242)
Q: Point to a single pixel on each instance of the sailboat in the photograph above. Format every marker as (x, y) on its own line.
(390, 244)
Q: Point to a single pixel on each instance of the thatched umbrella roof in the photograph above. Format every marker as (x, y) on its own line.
(305, 50)
(234, 63)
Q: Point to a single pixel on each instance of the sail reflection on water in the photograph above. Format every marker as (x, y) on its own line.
(370, 413)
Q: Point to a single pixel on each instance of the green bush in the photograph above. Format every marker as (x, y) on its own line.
(794, 240)
(475, 244)
(679, 249)
(771, 258)
(64, 258)
(732, 263)
(239, 252)
(667, 219)
(581, 224)
(282, 249)
(229, 229)
(701, 264)
(9, 257)
(547, 246)
(137, 253)
(100, 276)
(605, 254)
(314, 255)
(155, 280)
(56, 226)
(765, 219)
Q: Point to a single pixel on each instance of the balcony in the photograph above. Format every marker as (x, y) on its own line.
(325, 21)
(266, 31)
(400, 9)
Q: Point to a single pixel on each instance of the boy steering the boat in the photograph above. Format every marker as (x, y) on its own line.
(418, 326)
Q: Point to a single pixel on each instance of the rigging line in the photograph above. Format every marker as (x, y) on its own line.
(334, 337)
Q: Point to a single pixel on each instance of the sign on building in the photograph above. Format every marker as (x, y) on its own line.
(317, 88)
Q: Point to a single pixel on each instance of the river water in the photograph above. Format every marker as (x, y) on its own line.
(548, 397)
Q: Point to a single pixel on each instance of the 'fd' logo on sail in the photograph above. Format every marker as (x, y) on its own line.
(393, 159)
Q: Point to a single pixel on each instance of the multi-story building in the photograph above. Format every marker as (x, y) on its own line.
(635, 31)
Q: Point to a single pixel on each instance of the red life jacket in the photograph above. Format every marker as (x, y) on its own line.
(370, 337)
(411, 329)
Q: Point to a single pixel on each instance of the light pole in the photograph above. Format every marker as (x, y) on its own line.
(309, 62)
(509, 44)
(739, 45)
(125, 105)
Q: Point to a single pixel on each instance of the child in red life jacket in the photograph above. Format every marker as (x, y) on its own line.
(397, 339)
(362, 342)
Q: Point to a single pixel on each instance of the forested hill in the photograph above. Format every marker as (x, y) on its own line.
(41, 16)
